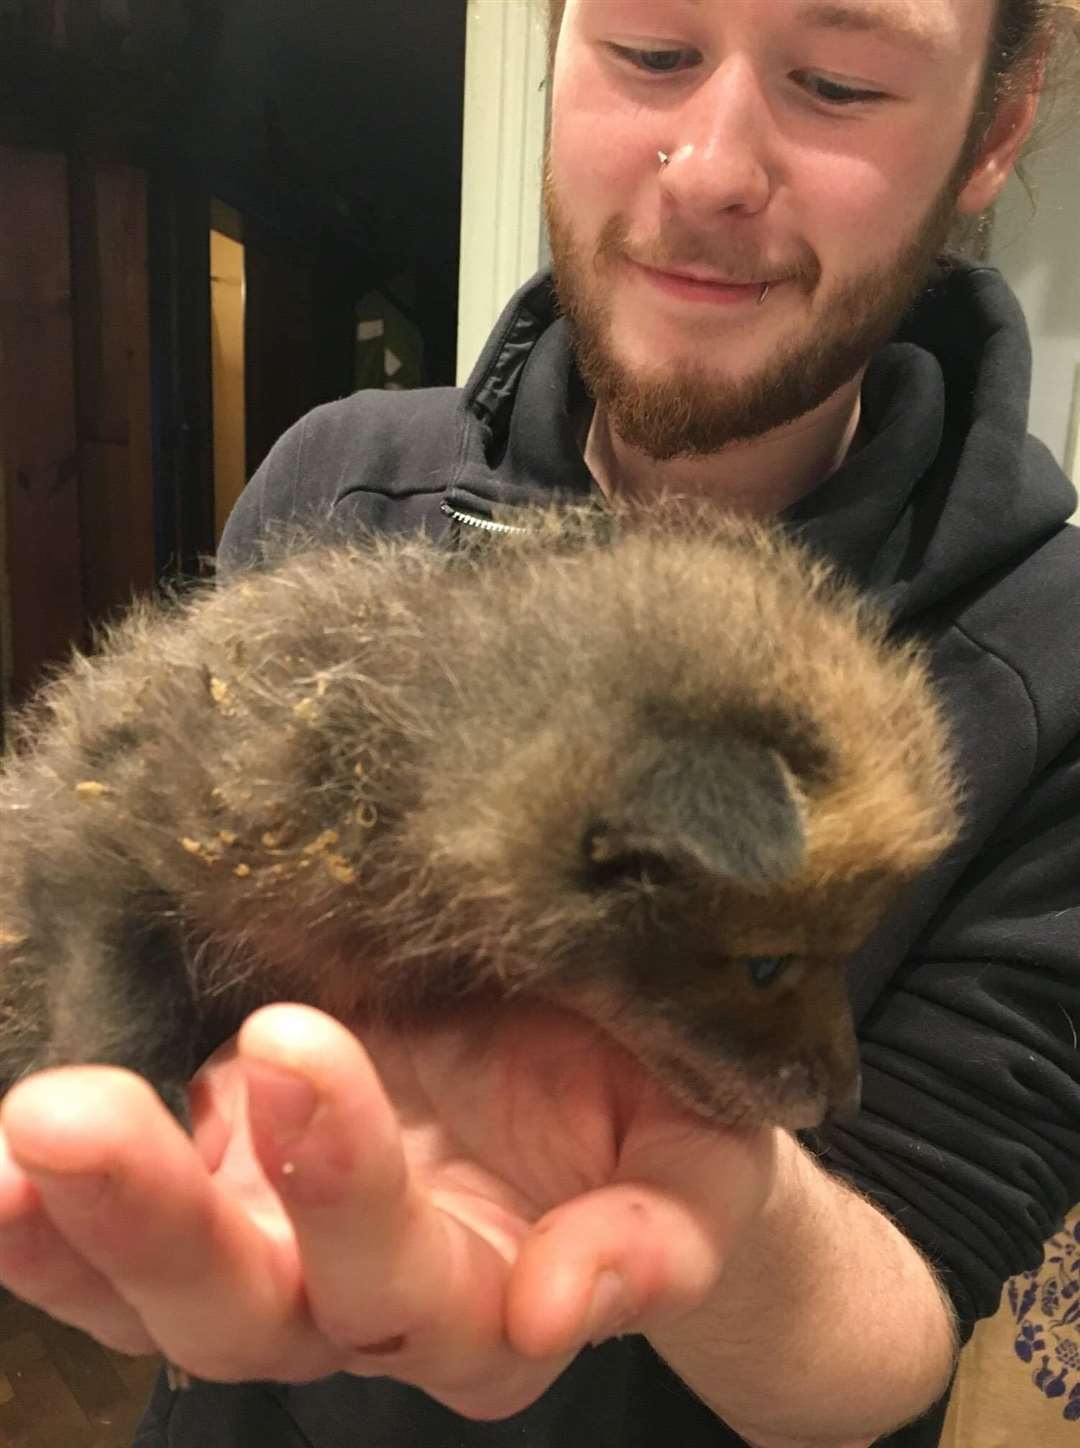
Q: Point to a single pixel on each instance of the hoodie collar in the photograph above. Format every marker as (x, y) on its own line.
(946, 488)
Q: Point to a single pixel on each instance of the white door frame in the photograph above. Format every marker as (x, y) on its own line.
(502, 233)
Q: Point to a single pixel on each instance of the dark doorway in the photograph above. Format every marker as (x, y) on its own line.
(325, 141)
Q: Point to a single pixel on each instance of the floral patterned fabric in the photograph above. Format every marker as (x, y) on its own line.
(1019, 1380)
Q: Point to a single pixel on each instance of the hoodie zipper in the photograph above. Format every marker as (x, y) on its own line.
(473, 520)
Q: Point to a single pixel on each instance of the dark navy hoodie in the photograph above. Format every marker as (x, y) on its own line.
(956, 519)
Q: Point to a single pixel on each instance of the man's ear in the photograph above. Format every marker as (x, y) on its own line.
(1002, 144)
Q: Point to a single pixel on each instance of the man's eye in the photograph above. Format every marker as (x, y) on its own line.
(834, 94)
(658, 62)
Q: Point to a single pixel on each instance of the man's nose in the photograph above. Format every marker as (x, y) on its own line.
(720, 146)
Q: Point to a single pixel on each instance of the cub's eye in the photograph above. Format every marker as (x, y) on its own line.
(764, 970)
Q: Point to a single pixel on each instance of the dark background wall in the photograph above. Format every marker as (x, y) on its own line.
(330, 128)
(342, 119)
(334, 122)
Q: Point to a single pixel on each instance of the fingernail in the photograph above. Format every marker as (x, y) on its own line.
(609, 1307)
(279, 1100)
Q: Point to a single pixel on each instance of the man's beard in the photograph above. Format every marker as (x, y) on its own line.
(688, 408)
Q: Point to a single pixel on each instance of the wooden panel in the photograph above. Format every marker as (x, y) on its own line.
(38, 451)
(112, 338)
(7, 646)
(230, 443)
(48, 20)
(60, 1389)
(40, 1396)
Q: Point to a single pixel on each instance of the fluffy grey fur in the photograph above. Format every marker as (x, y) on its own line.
(662, 768)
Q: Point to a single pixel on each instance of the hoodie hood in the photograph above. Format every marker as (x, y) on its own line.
(946, 488)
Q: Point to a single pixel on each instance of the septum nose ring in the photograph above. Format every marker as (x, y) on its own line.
(663, 158)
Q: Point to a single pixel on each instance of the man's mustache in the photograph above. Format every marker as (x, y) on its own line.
(738, 267)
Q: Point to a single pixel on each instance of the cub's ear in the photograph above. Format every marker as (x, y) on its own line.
(727, 806)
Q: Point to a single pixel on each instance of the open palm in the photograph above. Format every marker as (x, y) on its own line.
(444, 1216)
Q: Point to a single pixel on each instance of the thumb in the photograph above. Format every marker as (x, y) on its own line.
(618, 1259)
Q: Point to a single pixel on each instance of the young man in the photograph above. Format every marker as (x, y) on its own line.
(746, 201)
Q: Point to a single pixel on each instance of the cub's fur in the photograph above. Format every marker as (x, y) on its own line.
(662, 768)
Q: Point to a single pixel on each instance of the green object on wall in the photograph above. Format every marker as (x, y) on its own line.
(389, 346)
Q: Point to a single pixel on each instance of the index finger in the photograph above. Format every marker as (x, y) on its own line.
(408, 1276)
(380, 1260)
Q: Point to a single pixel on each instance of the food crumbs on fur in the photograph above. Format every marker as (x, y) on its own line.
(210, 853)
(339, 867)
(219, 691)
(274, 839)
(321, 686)
(305, 709)
(91, 789)
(8, 937)
(367, 816)
(243, 871)
(325, 840)
(358, 769)
(227, 837)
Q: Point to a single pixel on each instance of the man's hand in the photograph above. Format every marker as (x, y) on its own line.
(461, 1209)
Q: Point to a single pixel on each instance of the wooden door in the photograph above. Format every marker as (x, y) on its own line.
(39, 451)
